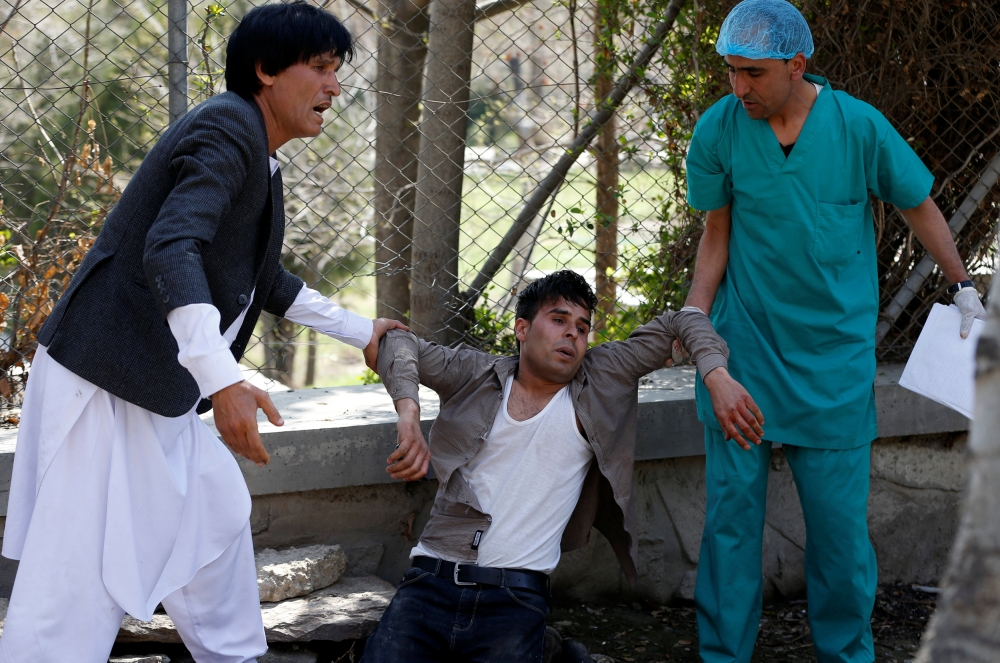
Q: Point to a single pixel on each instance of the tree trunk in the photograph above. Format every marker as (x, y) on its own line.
(401, 54)
(434, 306)
(606, 151)
(311, 359)
(966, 626)
(279, 352)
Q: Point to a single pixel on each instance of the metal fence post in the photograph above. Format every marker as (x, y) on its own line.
(177, 66)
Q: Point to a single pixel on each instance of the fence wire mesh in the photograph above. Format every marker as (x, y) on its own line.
(450, 119)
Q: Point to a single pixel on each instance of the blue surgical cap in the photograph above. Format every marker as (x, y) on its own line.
(759, 29)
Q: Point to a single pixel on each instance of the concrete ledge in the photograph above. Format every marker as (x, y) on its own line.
(340, 437)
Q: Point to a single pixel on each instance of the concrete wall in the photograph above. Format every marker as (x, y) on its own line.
(916, 489)
(327, 484)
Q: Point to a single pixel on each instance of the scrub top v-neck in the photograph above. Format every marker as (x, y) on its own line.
(799, 301)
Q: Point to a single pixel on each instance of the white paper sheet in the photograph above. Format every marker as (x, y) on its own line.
(942, 366)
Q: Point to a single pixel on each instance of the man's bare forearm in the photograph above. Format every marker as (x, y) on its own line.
(407, 407)
(712, 259)
(930, 227)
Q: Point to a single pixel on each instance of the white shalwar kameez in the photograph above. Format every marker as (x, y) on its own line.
(114, 509)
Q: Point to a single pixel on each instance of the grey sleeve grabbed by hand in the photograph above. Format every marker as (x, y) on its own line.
(649, 346)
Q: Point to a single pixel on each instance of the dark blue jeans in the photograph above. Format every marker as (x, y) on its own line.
(433, 620)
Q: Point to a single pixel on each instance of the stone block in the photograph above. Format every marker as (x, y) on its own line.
(363, 560)
(3, 613)
(285, 656)
(284, 574)
(347, 610)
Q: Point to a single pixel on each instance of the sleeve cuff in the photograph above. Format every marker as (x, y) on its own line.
(215, 372)
(709, 363)
(358, 330)
(311, 309)
(201, 348)
(401, 389)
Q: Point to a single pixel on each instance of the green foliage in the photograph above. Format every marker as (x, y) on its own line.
(486, 123)
(370, 377)
(492, 331)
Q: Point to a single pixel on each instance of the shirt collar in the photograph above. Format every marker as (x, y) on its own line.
(812, 78)
(274, 165)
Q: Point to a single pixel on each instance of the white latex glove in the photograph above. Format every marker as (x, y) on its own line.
(967, 301)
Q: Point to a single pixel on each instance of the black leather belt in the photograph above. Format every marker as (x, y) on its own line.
(470, 574)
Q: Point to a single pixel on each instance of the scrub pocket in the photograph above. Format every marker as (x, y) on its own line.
(837, 236)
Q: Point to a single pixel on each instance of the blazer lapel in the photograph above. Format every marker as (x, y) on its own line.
(272, 222)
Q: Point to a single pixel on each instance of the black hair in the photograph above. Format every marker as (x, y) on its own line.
(565, 284)
(278, 36)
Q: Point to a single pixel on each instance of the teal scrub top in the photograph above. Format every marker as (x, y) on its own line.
(799, 301)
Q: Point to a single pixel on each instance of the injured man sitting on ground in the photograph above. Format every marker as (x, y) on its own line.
(530, 452)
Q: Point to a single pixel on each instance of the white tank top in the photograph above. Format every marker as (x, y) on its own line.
(527, 476)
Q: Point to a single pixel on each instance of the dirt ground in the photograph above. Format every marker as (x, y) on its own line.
(642, 633)
(648, 634)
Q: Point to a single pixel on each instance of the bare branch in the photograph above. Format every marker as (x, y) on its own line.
(494, 7)
(17, 6)
(34, 113)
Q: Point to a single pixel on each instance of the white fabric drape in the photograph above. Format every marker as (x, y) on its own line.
(175, 495)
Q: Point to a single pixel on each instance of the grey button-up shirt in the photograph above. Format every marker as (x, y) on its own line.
(606, 398)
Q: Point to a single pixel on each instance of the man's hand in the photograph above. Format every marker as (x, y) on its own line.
(678, 354)
(967, 301)
(380, 327)
(409, 461)
(735, 410)
(235, 409)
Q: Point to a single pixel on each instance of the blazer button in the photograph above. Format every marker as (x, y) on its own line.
(166, 298)
(158, 278)
(242, 300)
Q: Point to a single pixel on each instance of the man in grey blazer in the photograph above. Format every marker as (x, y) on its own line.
(121, 497)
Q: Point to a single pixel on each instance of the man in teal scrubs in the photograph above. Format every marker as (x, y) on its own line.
(785, 167)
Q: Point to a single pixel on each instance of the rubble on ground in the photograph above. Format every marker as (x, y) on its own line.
(284, 574)
(347, 610)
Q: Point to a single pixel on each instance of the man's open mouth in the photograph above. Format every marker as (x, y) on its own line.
(319, 108)
(566, 352)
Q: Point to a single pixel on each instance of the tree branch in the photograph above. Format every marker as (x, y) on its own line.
(3, 26)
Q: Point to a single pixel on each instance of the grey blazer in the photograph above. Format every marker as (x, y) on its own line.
(202, 221)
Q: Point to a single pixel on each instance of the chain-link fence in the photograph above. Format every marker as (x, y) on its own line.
(425, 197)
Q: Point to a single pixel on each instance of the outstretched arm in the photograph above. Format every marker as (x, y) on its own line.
(649, 347)
(311, 309)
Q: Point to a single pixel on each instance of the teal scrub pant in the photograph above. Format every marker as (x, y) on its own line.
(841, 573)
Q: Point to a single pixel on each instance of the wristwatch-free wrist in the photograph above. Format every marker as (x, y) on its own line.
(961, 285)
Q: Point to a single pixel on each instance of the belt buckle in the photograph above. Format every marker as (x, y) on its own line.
(457, 581)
